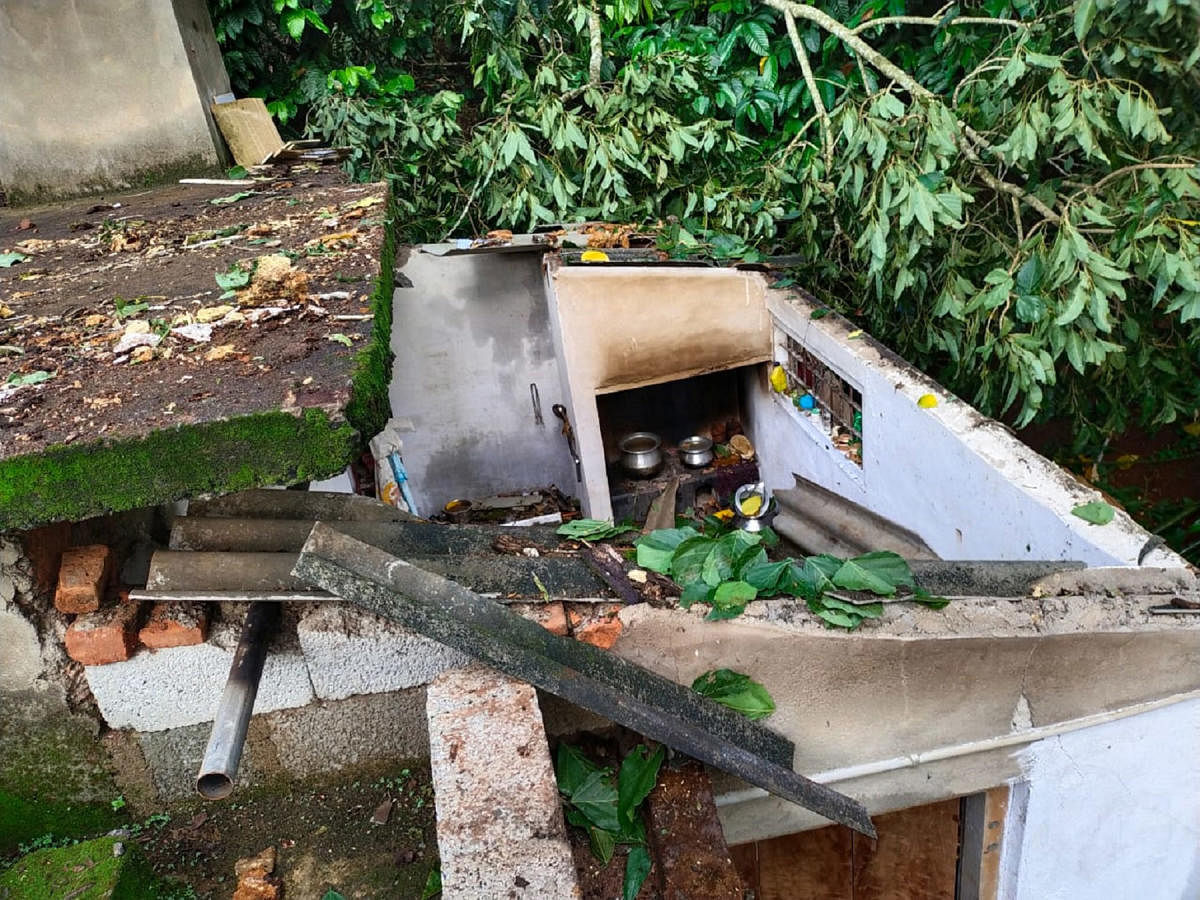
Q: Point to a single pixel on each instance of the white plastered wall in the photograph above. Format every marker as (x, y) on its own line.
(964, 483)
(1111, 812)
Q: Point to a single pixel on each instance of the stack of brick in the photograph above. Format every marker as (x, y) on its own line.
(106, 624)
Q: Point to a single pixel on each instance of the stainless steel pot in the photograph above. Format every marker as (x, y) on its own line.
(696, 451)
(641, 453)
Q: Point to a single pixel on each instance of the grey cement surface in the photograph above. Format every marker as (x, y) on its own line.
(328, 736)
(353, 652)
(96, 95)
(473, 333)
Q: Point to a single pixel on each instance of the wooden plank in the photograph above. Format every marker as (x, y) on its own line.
(995, 810)
(915, 856)
(745, 860)
(811, 865)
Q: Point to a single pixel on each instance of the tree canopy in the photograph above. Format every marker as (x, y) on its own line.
(1006, 193)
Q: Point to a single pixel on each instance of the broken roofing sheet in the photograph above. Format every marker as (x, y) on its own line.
(207, 335)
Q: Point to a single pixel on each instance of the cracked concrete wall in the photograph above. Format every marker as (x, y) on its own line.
(1110, 811)
(101, 94)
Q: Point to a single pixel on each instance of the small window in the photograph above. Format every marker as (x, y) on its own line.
(819, 391)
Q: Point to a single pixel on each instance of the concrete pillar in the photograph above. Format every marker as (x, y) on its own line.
(104, 94)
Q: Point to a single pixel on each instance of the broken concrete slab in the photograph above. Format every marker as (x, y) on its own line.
(95, 433)
(330, 506)
(500, 824)
(656, 707)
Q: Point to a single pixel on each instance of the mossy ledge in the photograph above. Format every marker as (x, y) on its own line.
(77, 482)
(70, 483)
(369, 408)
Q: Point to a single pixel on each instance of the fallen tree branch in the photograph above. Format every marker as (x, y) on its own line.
(886, 67)
(935, 22)
(809, 80)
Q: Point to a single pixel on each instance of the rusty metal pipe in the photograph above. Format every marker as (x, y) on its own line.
(224, 750)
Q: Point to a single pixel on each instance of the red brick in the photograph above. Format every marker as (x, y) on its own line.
(602, 633)
(44, 546)
(82, 577)
(550, 616)
(107, 635)
(175, 625)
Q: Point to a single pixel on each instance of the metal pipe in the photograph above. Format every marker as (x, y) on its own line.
(224, 750)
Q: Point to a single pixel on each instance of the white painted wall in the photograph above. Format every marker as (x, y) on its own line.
(964, 483)
(1113, 812)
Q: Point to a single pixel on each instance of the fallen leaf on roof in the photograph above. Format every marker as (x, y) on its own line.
(142, 354)
(11, 259)
(341, 339)
(34, 245)
(10, 350)
(208, 314)
(334, 241)
(1096, 513)
(368, 201)
(223, 351)
(18, 380)
(95, 320)
(200, 333)
(594, 256)
(5, 311)
(232, 198)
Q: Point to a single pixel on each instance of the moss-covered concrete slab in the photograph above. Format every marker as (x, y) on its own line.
(190, 339)
(90, 870)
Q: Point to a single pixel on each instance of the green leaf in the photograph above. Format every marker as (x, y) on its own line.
(1085, 14)
(839, 619)
(718, 565)
(765, 577)
(1097, 512)
(696, 592)
(331, 894)
(433, 884)
(235, 173)
(880, 573)
(591, 529)
(7, 260)
(922, 596)
(572, 768)
(687, 562)
(603, 843)
(232, 198)
(340, 338)
(638, 775)
(233, 279)
(737, 691)
(596, 798)
(18, 380)
(731, 597)
(637, 868)
(1030, 308)
(654, 550)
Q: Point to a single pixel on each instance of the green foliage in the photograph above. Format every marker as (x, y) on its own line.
(608, 809)
(737, 691)
(728, 569)
(592, 529)
(1096, 513)
(1016, 210)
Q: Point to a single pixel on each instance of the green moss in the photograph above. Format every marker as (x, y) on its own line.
(77, 482)
(24, 821)
(369, 408)
(84, 871)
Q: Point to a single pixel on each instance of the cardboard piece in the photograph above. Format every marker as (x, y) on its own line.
(248, 129)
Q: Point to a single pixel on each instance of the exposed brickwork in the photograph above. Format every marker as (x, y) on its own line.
(105, 636)
(82, 578)
(595, 623)
(175, 625)
(551, 616)
(44, 548)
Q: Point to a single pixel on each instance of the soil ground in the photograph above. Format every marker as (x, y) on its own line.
(321, 830)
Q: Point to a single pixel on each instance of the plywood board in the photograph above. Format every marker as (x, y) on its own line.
(248, 129)
(915, 857)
